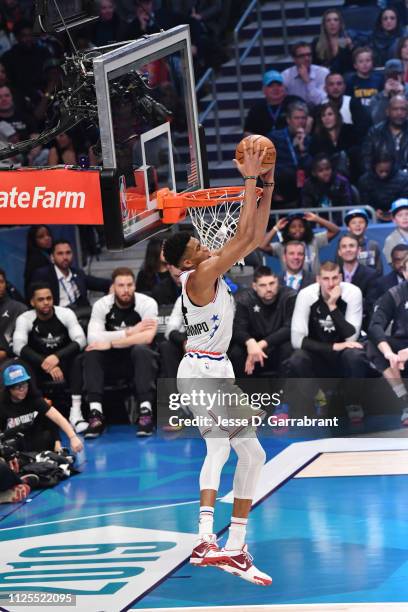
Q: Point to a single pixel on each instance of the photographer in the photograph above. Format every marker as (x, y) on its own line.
(21, 407)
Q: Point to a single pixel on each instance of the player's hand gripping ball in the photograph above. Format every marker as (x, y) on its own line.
(263, 142)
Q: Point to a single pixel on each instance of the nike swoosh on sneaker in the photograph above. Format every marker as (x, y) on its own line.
(240, 565)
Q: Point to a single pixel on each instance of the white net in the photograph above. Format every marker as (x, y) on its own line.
(216, 223)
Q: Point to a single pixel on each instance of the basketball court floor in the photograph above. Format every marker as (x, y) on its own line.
(329, 524)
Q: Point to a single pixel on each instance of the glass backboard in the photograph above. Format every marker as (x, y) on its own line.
(149, 135)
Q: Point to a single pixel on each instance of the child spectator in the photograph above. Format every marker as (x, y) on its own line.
(22, 407)
(382, 185)
(385, 37)
(298, 226)
(399, 211)
(325, 187)
(369, 253)
(333, 46)
(364, 83)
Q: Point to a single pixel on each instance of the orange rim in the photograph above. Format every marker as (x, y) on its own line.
(202, 197)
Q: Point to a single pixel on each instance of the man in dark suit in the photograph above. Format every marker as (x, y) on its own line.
(69, 285)
(363, 277)
(395, 277)
(295, 276)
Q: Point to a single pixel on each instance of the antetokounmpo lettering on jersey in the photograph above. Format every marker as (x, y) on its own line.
(197, 329)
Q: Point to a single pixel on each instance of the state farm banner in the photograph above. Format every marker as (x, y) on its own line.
(53, 196)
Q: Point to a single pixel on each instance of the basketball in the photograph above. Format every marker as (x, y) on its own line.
(263, 142)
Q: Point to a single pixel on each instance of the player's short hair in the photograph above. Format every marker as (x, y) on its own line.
(293, 243)
(329, 266)
(399, 248)
(174, 247)
(359, 51)
(262, 271)
(350, 236)
(122, 271)
(37, 286)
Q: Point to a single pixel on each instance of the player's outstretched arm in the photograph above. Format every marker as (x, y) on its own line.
(264, 207)
(237, 247)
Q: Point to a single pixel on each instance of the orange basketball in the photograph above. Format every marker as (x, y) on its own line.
(263, 142)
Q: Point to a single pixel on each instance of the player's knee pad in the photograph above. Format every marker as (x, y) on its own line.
(218, 450)
(251, 457)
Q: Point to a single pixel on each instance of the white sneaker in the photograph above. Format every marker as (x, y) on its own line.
(79, 425)
(204, 544)
(239, 563)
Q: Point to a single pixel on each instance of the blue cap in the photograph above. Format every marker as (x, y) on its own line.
(272, 76)
(356, 212)
(15, 374)
(399, 205)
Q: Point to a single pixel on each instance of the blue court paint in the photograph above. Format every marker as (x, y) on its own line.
(322, 539)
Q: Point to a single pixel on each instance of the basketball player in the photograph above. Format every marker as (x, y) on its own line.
(208, 310)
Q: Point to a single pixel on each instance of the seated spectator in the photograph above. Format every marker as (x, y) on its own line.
(382, 185)
(394, 85)
(326, 324)
(38, 252)
(121, 332)
(364, 83)
(269, 113)
(292, 159)
(370, 252)
(50, 339)
(402, 54)
(295, 276)
(390, 136)
(173, 346)
(299, 227)
(154, 268)
(10, 113)
(22, 408)
(354, 272)
(261, 333)
(335, 139)
(304, 79)
(325, 187)
(25, 61)
(168, 289)
(333, 46)
(10, 309)
(399, 211)
(387, 350)
(108, 28)
(384, 39)
(395, 277)
(335, 88)
(69, 285)
(67, 149)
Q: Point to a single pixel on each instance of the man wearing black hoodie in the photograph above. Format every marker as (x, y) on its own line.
(382, 185)
(10, 309)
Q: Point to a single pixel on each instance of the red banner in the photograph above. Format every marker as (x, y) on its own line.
(53, 196)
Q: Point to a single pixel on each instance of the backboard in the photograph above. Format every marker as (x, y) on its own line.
(142, 155)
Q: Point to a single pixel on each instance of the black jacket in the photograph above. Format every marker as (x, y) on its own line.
(392, 306)
(380, 194)
(379, 139)
(386, 282)
(83, 282)
(365, 279)
(254, 319)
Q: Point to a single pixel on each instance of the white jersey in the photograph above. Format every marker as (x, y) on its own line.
(209, 327)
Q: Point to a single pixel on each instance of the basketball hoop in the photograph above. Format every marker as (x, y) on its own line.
(214, 212)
